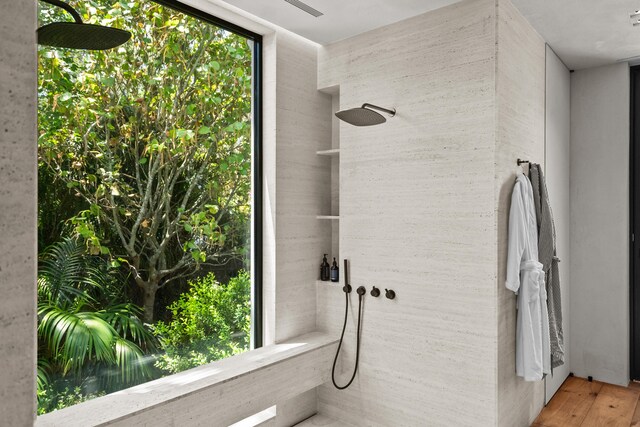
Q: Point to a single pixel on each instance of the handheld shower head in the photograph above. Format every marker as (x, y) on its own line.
(364, 116)
(78, 35)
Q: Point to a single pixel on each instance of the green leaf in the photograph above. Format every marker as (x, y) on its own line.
(204, 130)
(65, 97)
(108, 81)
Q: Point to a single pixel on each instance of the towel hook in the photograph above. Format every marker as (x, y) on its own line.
(520, 161)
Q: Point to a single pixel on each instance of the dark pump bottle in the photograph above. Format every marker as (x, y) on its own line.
(335, 276)
(324, 269)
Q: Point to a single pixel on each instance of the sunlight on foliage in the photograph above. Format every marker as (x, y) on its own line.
(153, 139)
(79, 334)
(144, 181)
(210, 322)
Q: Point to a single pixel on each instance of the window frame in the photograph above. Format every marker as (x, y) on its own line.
(256, 167)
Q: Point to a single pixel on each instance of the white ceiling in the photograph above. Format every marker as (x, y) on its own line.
(342, 18)
(584, 33)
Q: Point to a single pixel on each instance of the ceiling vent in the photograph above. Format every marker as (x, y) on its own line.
(305, 7)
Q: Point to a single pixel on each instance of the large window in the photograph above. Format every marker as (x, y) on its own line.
(149, 204)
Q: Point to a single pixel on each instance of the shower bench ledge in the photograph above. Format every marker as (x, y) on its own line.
(320, 420)
(220, 393)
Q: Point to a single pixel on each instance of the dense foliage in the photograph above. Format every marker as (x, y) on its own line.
(144, 164)
(50, 399)
(86, 338)
(210, 322)
(153, 141)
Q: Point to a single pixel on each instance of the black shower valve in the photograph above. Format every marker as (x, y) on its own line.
(389, 293)
(375, 292)
(361, 290)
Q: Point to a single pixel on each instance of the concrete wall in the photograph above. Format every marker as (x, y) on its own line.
(423, 200)
(557, 168)
(18, 191)
(599, 293)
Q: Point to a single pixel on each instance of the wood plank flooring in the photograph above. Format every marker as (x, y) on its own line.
(579, 402)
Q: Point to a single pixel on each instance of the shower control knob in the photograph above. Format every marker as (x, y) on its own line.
(361, 290)
(375, 292)
(390, 293)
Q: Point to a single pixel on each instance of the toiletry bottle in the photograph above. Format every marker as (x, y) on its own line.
(335, 276)
(324, 269)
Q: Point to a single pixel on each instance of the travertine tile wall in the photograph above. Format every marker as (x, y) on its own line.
(17, 211)
(520, 113)
(303, 185)
(303, 180)
(293, 195)
(422, 202)
(417, 215)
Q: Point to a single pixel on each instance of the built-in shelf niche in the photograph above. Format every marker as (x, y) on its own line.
(328, 282)
(331, 153)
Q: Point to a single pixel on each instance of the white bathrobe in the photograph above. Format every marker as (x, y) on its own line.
(525, 277)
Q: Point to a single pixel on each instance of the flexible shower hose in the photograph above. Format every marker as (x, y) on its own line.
(344, 326)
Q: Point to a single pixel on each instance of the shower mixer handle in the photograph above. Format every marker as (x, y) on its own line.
(375, 292)
(361, 290)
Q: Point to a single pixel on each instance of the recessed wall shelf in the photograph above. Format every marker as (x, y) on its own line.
(328, 217)
(327, 155)
(332, 152)
(323, 283)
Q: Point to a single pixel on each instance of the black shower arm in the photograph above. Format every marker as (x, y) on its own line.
(375, 107)
(67, 7)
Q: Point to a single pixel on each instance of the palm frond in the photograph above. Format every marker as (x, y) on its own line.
(76, 337)
(125, 319)
(131, 361)
(42, 377)
(64, 274)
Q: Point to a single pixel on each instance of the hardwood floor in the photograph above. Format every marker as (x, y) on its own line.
(579, 402)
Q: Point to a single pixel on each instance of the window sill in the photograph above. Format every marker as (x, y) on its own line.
(225, 391)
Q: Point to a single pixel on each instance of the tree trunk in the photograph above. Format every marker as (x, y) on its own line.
(148, 301)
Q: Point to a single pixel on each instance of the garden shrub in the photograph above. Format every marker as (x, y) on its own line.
(209, 322)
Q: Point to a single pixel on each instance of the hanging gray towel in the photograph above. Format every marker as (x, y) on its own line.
(547, 256)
